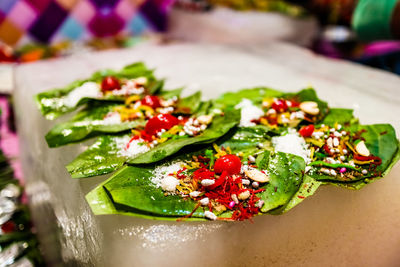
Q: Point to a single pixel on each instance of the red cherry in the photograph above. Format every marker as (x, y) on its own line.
(151, 101)
(8, 227)
(110, 83)
(229, 163)
(279, 105)
(159, 122)
(306, 131)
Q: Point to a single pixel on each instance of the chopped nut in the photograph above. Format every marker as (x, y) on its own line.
(310, 107)
(220, 208)
(244, 195)
(204, 201)
(210, 215)
(256, 175)
(362, 149)
(141, 80)
(205, 119)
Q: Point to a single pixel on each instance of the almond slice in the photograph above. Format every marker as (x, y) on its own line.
(257, 175)
(362, 149)
(309, 107)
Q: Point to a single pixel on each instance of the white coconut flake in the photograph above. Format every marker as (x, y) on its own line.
(135, 147)
(161, 174)
(292, 143)
(88, 89)
(249, 112)
(131, 87)
(169, 183)
(112, 118)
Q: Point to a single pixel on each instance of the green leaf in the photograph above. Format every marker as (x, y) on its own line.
(101, 203)
(339, 115)
(307, 188)
(100, 158)
(88, 123)
(103, 156)
(190, 104)
(256, 95)
(382, 142)
(285, 173)
(51, 103)
(132, 187)
(219, 126)
(309, 94)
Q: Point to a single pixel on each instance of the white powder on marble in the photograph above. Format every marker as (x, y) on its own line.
(88, 89)
(292, 143)
(135, 147)
(249, 112)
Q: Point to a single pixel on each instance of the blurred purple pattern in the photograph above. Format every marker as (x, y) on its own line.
(46, 21)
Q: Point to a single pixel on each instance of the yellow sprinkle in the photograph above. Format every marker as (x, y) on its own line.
(162, 140)
(362, 162)
(131, 99)
(216, 148)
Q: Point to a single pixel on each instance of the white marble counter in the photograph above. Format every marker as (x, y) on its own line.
(335, 227)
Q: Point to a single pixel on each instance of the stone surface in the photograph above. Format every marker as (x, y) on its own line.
(335, 227)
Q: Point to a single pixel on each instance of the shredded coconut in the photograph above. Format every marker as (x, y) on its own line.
(169, 183)
(88, 89)
(112, 118)
(292, 143)
(162, 173)
(130, 88)
(249, 112)
(135, 147)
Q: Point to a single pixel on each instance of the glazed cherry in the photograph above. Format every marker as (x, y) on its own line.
(159, 122)
(229, 163)
(110, 83)
(151, 101)
(306, 131)
(279, 105)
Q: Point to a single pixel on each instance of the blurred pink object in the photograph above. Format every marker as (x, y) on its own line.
(381, 47)
(9, 140)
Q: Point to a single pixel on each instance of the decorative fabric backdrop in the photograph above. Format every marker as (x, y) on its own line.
(24, 21)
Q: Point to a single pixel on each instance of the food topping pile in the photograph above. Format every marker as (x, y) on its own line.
(279, 112)
(218, 182)
(336, 152)
(143, 108)
(164, 127)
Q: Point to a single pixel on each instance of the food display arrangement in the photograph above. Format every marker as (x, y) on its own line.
(246, 153)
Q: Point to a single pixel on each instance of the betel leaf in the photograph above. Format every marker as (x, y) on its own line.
(103, 157)
(90, 122)
(219, 126)
(51, 103)
(100, 158)
(256, 95)
(100, 202)
(190, 104)
(132, 187)
(382, 142)
(307, 188)
(339, 115)
(285, 173)
(309, 94)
